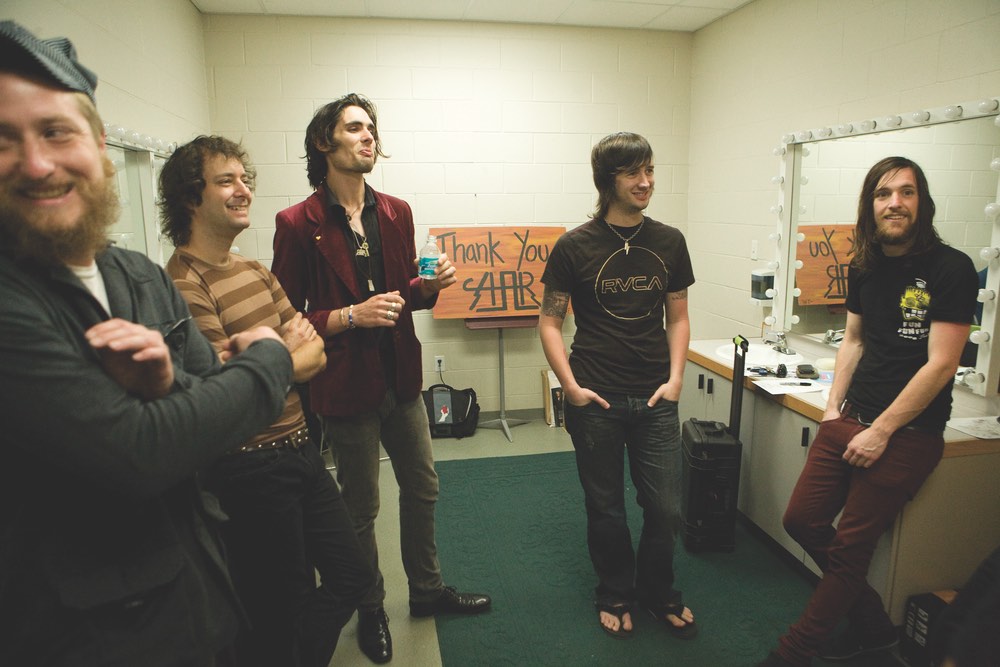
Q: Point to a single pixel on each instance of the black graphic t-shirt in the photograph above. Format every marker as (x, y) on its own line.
(898, 300)
(620, 343)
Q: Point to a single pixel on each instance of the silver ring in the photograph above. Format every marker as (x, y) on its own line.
(392, 307)
(388, 314)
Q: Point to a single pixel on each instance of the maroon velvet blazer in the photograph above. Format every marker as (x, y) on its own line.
(315, 266)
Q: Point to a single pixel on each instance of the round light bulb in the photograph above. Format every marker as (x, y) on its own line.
(824, 132)
(988, 105)
(796, 292)
(867, 125)
(804, 135)
(920, 116)
(806, 152)
(804, 180)
(952, 112)
(787, 138)
(985, 295)
(774, 236)
(795, 319)
(992, 210)
(773, 266)
(779, 151)
(980, 336)
(989, 253)
(769, 320)
(769, 292)
(892, 121)
(777, 209)
(777, 180)
(845, 128)
(800, 237)
(974, 378)
(798, 264)
(995, 164)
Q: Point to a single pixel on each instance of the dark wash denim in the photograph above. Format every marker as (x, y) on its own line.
(287, 521)
(870, 498)
(652, 438)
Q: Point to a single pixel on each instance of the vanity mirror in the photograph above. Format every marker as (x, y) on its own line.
(959, 149)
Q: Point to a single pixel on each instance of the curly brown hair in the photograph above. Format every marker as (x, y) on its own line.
(182, 180)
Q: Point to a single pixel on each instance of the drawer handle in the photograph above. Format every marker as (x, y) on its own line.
(805, 436)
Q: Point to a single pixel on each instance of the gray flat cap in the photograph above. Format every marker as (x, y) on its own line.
(50, 59)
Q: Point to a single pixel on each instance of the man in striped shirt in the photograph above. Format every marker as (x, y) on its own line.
(287, 517)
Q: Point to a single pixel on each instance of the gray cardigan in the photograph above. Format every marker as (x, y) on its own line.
(108, 554)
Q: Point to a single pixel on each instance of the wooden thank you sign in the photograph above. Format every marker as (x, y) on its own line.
(499, 270)
(823, 276)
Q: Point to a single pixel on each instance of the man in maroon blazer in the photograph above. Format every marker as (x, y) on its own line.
(345, 257)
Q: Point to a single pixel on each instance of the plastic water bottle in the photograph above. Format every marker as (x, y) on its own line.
(428, 259)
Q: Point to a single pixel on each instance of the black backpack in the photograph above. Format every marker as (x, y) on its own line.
(452, 413)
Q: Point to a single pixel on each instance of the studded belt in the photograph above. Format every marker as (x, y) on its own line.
(292, 441)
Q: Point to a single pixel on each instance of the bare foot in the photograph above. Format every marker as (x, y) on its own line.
(681, 621)
(610, 621)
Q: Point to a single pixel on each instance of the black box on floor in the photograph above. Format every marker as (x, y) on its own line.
(711, 481)
(921, 612)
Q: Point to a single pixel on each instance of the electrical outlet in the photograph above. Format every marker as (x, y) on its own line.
(439, 362)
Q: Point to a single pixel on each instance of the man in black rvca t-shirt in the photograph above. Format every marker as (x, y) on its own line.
(627, 278)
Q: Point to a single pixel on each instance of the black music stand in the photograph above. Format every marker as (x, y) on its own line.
(501, 323)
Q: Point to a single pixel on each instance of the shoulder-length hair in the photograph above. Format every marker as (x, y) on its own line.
(319, 134)
(865, 247)
(614, 154)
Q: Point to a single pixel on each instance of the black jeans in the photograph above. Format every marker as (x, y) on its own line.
(287, 521)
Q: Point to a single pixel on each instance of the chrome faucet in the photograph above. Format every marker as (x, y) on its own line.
(833, 336)
(778, 341)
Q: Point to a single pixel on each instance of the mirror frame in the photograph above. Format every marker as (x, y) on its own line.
(987, 374)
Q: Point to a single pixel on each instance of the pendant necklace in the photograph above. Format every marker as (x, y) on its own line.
(361, 244)
(626, 240)
(360, 241)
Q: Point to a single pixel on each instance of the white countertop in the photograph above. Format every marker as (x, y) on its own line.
(812, 404)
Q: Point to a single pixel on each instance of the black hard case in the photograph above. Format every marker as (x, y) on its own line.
(711, 472)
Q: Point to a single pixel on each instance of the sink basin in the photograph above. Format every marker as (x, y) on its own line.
(759, 355)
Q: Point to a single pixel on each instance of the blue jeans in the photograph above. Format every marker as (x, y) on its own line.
(402, 429)
(287, 521)
(652, 437)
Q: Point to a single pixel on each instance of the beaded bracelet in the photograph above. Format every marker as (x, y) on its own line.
(350, 316)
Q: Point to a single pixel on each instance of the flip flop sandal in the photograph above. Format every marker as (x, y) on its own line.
(618, 611)
(660, 612)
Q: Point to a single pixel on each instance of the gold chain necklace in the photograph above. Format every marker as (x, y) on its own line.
(626, 240)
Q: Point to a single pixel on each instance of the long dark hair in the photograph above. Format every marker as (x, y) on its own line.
(866, 248)
(319, 135)
(614, 154)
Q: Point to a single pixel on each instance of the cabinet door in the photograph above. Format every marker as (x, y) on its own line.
(777, 459)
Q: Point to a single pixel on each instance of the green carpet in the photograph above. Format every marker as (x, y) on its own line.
(514, 527)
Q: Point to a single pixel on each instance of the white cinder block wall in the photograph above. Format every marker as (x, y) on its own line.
(777, 66)
(149, 57)
(486, 124)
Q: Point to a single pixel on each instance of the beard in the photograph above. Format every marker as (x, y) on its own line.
(892, 238)
(25, 240)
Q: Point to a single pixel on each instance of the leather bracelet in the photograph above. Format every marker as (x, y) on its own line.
(350, 317)
(343, 320)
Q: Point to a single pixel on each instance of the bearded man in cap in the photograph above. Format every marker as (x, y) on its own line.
(111, 400)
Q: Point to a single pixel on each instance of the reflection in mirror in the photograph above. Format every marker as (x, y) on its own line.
(958, 148)
(956, 158)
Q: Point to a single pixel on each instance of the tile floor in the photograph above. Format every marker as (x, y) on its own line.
(415, 639)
